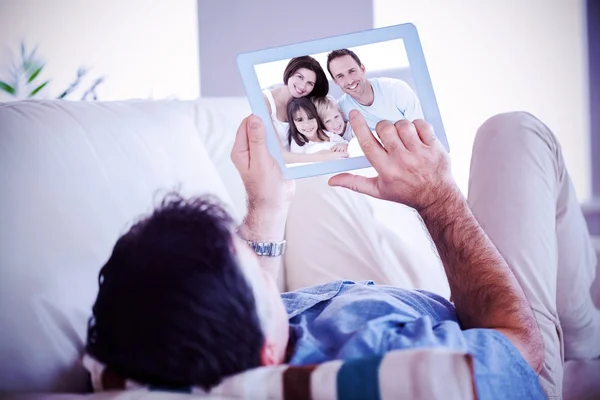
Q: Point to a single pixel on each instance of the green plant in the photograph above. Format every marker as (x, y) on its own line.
(24, 75)
(25, 78)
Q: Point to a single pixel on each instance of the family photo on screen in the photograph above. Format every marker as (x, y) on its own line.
(313, 126)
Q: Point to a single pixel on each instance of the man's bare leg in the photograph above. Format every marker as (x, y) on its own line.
(521, 194)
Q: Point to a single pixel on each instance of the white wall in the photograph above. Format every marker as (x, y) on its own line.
(143, 48)
(229, 27)
(487, 57)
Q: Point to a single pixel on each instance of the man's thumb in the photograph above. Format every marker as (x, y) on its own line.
(356, 183)
(256, 130)
(257, 137)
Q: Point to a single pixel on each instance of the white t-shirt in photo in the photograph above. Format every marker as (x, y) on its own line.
(348, 132)
(394, 100)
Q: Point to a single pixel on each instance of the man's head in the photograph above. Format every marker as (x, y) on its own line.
(182, 301)
(347, 72)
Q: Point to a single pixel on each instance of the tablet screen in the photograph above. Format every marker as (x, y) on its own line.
(304, 93)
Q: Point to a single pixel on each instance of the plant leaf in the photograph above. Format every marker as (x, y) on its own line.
(7, 88)
(37, 89)
(32, 55)
(35, 73)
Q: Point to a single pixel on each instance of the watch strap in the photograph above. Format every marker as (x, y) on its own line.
(268, 249)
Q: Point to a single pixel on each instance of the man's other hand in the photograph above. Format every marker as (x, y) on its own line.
(413, 166)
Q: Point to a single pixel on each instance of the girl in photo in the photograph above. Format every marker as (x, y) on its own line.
(306, 134)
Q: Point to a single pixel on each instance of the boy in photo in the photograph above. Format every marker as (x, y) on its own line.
(331, 117)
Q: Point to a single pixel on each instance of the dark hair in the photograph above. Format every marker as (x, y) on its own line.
(321, 83)
(174, 308)
(294, 106)
(341, 53)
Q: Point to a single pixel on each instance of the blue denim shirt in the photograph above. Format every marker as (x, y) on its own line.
(344, 319)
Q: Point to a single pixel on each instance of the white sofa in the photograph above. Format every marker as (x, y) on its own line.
(75, 175)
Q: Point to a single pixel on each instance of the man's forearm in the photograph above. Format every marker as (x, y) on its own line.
(485, 291)
(265, 225)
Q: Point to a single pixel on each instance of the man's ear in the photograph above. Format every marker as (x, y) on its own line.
(268, 355)
(362, 67)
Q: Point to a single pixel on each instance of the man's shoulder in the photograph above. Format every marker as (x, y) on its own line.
(344, 100)
(346, 104)
(324, 289)
(386, 82)
(300, 300)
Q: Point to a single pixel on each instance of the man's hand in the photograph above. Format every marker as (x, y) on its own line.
(269, 194)
(262, 176)
(413, 167)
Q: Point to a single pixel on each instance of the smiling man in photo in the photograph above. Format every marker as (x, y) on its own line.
(376, 98)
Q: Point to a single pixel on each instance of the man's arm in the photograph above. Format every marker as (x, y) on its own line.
(269, 194)
(485, 291)
(407, 101)
(265, 225)
(414, 169)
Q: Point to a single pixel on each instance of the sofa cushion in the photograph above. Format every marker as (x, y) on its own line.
(218, 119)
(74, 176)
(335, 233)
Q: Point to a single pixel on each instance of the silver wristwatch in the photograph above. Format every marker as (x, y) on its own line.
(267, 249)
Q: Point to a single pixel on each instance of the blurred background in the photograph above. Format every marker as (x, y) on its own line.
(484, 56)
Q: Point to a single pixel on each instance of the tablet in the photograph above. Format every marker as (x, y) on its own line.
(304, 91)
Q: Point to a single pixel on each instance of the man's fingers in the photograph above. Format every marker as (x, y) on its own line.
(389, 136)
(408, 134)
(425, 131)
(369, 145)
(240, 144)
(356, 183)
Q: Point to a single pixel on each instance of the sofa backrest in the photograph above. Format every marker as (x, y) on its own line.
(217, 120)
(74, 176)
